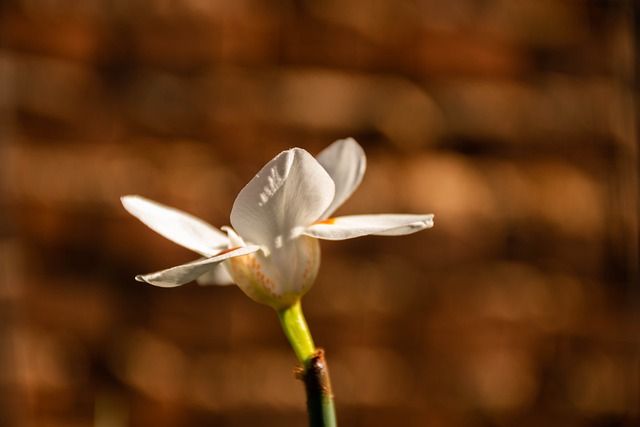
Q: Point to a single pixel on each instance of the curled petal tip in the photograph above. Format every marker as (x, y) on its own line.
(428, 221)
(422, 224)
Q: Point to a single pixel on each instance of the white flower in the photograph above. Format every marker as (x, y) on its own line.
(272, 252)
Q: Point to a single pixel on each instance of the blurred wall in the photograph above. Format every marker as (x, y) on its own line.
(513, 122)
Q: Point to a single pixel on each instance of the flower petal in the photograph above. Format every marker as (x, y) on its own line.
(348, 227)
(345, 162)
(177, 226)
(287, 195)
(185, 273)
(216, 275)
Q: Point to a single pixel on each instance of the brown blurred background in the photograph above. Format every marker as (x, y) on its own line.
(512, 121)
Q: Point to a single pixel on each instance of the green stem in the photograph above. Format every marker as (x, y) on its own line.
(314, 372)
(297, 332)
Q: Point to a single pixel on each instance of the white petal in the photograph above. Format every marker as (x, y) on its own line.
(177, 226)
(345, 162)
(217, 275)
(348, 227)
(185, 273)
(288, 194)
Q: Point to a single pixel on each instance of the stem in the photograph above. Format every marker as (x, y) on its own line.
(297, 332)
(314, 371)
(319, 394)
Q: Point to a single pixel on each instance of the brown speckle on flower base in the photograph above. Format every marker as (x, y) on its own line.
(249, 275)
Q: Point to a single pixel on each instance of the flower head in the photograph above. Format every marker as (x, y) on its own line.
(272, 252)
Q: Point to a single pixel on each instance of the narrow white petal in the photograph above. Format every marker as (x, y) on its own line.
(185, 273)
(345, 162)
(348, 227)
(289, 193)
(177, 226)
